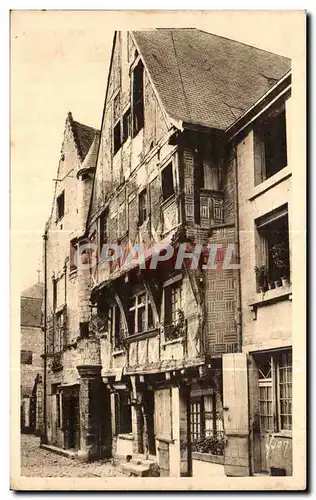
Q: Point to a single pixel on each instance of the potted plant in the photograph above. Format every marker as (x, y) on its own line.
(271, 284)
(280, 256)
(262, 277)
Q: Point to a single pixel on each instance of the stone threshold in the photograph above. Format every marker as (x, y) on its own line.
(59, 451)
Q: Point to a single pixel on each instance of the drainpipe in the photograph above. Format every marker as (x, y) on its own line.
(44, 439)
(237, 253)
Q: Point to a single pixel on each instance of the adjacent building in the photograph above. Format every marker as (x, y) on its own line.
(32, 346)
(262, 140)
(158, 343)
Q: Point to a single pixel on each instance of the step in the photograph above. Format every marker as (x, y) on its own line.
(132, 469)
(142, 461)
(59, 451)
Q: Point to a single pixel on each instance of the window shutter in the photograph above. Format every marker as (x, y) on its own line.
(163, 416)
(236, 418)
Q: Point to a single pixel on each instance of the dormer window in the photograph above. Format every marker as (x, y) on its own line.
(60, 206)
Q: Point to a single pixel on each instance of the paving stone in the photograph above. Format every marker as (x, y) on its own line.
(37, 462)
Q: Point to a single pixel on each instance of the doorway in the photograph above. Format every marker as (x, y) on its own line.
(71, 419)
(149, 410)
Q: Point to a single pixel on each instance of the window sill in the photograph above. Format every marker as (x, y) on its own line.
(142, 335)
(270, 183)
(178, 340)
(281, 434)
(127, 437)
(118, 353)
(211, 191)
(270, 297)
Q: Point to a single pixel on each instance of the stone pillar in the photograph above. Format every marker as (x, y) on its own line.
(89, 402)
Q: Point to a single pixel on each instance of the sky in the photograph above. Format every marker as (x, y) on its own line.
(59, 63)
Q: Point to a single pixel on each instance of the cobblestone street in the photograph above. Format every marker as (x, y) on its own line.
(36, 462)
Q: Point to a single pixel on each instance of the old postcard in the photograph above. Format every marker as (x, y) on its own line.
(158, 250)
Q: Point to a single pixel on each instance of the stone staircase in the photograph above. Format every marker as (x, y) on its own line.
(139, 466)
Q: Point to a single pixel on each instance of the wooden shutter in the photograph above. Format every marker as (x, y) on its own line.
(236, 414)
(163, 415)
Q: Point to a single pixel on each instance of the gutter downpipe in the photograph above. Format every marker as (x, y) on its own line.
(44, 439)
(237, 243)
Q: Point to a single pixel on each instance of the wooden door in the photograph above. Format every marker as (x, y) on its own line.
(236, 414)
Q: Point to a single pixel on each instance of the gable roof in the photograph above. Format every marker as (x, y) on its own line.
(35, 291)
(83, 136)
(31, 305)
(206, 79)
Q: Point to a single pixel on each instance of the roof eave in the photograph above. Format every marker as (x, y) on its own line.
(281, 87)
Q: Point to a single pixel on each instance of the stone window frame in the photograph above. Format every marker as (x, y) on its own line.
(261, 141)
(262, 240)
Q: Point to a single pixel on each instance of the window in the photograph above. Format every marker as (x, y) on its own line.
(26, 357)
(210, 178)
(138, 99)
(274, 257)
(60, 205)
(126, 125)
(142, 206)
(167, 182)
(174, 319)
(73, 255)
(123, 413)
(270, 146)
(173, 302)
(285, 391)
(117, 137)
(84, 329)
(115, 327)
(206, 423)
(102, 231)
(275, 391)
(140, 316)
(60, 339)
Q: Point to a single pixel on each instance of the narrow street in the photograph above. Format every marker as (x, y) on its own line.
(36, 462)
